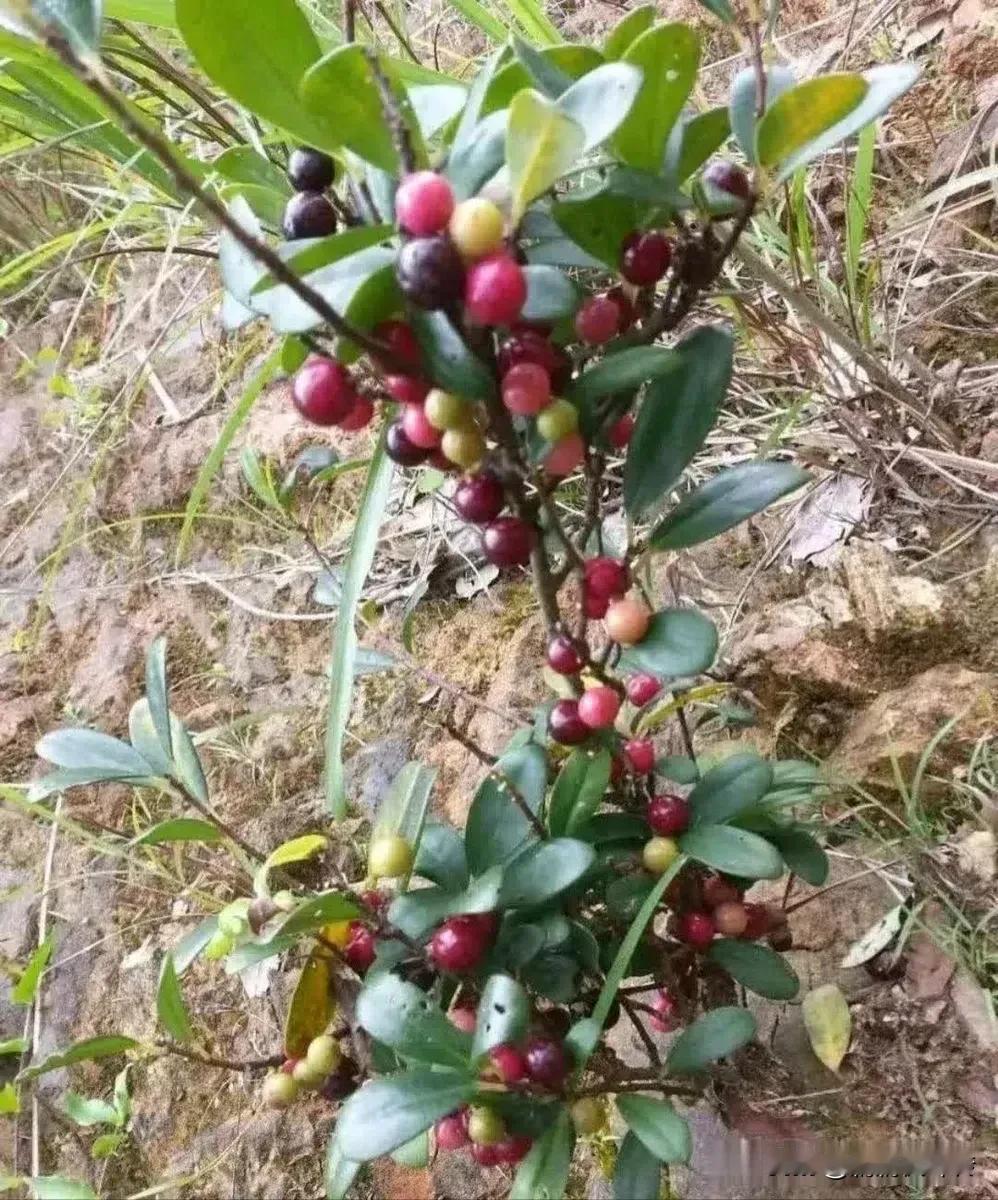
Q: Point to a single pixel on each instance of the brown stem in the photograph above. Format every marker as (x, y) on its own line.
(401, 136)
(650, 1048)
(212, 818)
(350, 20)
(469, 744)
(211, 1060)
(522, 805)
(684, 726)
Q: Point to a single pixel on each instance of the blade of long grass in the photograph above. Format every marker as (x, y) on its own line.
(161, 13)
(534, 22)
(858, 210)
(344, 652)
(482, 18)
(24, 264)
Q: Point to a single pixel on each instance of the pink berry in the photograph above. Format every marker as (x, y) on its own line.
(599, 706)
(508, 542)
(607, 577)
(512, 1150)
(424, 203)
(486, 1156)
(628, 312)
(529, 345)
(598, 320)
(401, 338)
(640, 755)
(668, 815)
(566, 726)
(758, 922)
(642, 689)
(696, 929)
(566, 455)
(510, 1064)
(464, 1019)
(323, 391)
(451, 1133)
(526, 389)
(458, 945)
(726, 177)
(547, 1062)
(666, 1018)
(418, 429)
(621, 431)
(645, 257)
(361, 947)
(563, 656)
(480, 498)
(495, 290)
(408, 389)
(359, 417)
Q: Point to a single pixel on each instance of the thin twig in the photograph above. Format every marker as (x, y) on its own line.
(401, 137)
(211, 1060)
(469, 744)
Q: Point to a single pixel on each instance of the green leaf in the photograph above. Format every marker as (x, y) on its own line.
(523, 1114)
(496, 830)
(257, 54)
(621, 371)
(363, 543)
(435, 104)
(170, 1007)
(473, 162)
(10, 1105)
(802, 854)
(401, 1016)
(449, 362)
(733, 851)
(828, 1023)
(637, 1174)
(541, 145)
(468, 127)
(544, 1172)
(659, 1127)
(545, 870)
(669, 56)
(340, 91)
(160, 13)
(525, 767)
(692, 142)
(314, 255)
(679, 641)
(721, 9)
(571, 60)
(243, 164)
(417, 912)
(531, 17)
(16, 1045)
(157, 694)
(107, 1144)
(715, 1035)
(578, 790)
(755, 967)
(551, 295)
(547, 75)
(58, 1187)
(86, 1112)
(600, 101)
(503, 1015)
(85, 1051)
(88, 749)
(553, 976)
(743, 101)
(414, 1154)
(738, 783)
(805, 111)
(191, 944)
(179, 829)
(598, 220)
(731, 496)
(480, 16)
(628, 29)
(296, 850)
(676, 417)
(26, 988)
(441, 857)
(613, 827)
(403, 809)
(340, 1171)
(316, 912)
(384, 1115)
(79, 21)
(187, 764)
(625, 896)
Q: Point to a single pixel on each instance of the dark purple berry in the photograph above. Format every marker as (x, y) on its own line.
(310, 170)
(309, 215)
(400, 449)
(431, 272)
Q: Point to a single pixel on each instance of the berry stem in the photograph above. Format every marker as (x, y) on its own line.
(211, 1060)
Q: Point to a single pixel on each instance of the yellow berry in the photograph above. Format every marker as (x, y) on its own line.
(659, 854)
(485, 1127)
(279, 1090)
(558, 420)
(389, 857)
(476, 227)
(445, 411)
(464, 446)
(305, 1077)
(323, 1055)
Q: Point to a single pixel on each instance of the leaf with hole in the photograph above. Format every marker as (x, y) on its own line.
(733, 851)
(732, 496)
(384, 1115)
(660, 1128)
(542, 143)
(679, 641)
(503, 1014)
(668, 55)
(170, 1007)
(713, 1036)
(401, 1016)
(755, 967)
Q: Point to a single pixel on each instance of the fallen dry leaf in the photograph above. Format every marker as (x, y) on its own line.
(828, 1023)
(928, 970)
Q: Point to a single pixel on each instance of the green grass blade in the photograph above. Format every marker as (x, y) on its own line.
(482, 18)
(858, 209)
(344, 652)
(214, 460)
(534, 22)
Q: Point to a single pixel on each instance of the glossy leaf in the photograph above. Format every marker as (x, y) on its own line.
(542, 143)
(551, 294)
(582, 1039)
(297, 850)
(340, 91)
(543, 871)
(187, 768)
(578, 790)
(544, 1172)
(157, 694)
(468, 127)
(600, 101)
(628, 29)
(571, 60)
(503, 1014)
(679, 413)
(637, 1174)
(668, 55)
(713, 1036)
(311, 1004)
(440, 857)
(496, 830)
(662, 1130)
(449, 361)
(679, 641)
(733, 851)
(340, 1171)
(435, 104)
(401, 1016)
(415, 913)
(598, 220)
(804, 112)
(25, 989)
(523, 1114)
(473, 162)
(743, 102)
(613, 827)
(693, 141)
(170, 1007)
(316, 912)
(802, 854)
(315, 254)
(384, 1115)
(755, 967)
(828, 1023)
(736, 784)
(87, 1050)
(620, 371)
(179, 829)
(732, 496)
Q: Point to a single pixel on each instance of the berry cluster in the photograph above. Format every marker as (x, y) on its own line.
(309, 212)
(322, 1060)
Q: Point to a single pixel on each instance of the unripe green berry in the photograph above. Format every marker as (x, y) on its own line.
(232, 922)
(464, 446)
(219, 945)
(558, 420)
(323, 1055)
(588, 1115)
(305, 1077)
(446, 411)
(659, 854)
(279, 1090)
(485, 1127)
(389, 857)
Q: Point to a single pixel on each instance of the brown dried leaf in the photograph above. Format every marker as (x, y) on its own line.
(928, 970)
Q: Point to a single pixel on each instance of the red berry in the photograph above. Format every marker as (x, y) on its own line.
(566, 455)
(666, 1018)
(645, 257)
(620, 432)
(308, 215)
(598, 707)
(640, 755)
(547, 1062)
(487, 922)
(512, 1150)
(376, 900)
(669, 815)
(563, 655)
(361, 947)
(424, 203)
(758, 922)
(401, 338)
(310, 170)
(731, 919)
(400, 449)
(528, 345)
(716, 890)
(627, 620)
(289, 1065)
(451, 1133)
(418, 429)
(510, 1064)
(696, 929)
(458, 945)
(594, 605)
(359, 417)
(566, 726)
(480, 498)
(495, 290)
(430, 272)
(508, 542)
(727, 177)
(627, 310)
(606, 577)
(486, 1156)
(464, 1019)
(323, 391)
(598, 320)
(526, 389)
(408, 389)
(642, 689)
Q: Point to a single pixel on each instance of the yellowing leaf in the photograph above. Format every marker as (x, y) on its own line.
(828, 1023)
(803, 112)
(311, 1006)
(541, 145)
(296, 850)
